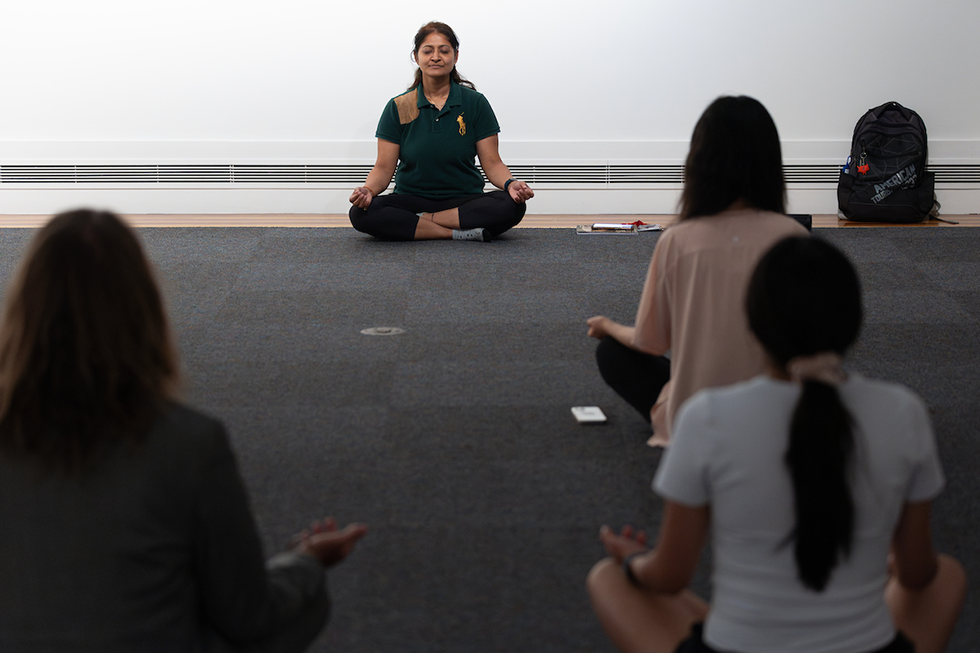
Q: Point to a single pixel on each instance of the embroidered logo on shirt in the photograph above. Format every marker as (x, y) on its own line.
(462, 125)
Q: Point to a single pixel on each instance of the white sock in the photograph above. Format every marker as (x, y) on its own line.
(479, 234)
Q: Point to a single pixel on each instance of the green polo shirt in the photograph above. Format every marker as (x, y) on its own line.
(437, 147)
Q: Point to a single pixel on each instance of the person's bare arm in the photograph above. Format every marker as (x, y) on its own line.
(493, 167)
(914, 559)
(380, 175)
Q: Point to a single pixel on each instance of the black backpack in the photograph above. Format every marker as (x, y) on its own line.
(885, 179)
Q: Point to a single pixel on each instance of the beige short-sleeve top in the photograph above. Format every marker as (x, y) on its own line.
(693, 303)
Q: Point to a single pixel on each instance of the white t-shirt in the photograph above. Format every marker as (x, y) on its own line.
(728, 451)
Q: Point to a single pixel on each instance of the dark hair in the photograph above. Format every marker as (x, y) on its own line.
(804, 298)
(447, 31)
(86, 357)
(734, 155)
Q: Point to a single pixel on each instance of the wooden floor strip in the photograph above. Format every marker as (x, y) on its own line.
(530, 221)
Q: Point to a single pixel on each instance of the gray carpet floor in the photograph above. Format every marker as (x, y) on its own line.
(454, 440)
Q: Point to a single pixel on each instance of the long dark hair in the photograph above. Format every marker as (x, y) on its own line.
(447, 31)
(86, 356)
(735, 154)
(804, 299)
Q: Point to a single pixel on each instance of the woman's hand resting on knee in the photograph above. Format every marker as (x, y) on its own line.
(598, 326)
(601, 326)
(519, 191)
(326, 543)
(626, 543)
(361, 197)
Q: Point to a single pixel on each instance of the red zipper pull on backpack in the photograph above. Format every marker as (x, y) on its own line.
(863, 167)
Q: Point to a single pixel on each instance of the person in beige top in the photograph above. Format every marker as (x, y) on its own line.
(732, 212)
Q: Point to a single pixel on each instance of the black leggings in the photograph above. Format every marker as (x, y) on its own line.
(394, 217)
(636, 377)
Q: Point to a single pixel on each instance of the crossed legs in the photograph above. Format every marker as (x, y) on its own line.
(637, 620)
(405, 217)
(640, 621)
(635, 376)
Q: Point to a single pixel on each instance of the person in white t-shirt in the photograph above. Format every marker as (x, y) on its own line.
(815, 485)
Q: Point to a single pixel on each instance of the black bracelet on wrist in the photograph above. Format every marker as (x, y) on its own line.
(508, 183)
(630, 576)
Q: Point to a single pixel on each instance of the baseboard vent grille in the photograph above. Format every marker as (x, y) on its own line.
(596, 174)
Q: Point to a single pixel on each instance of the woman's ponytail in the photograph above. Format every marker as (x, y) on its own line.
(818, 457)
(804, 307)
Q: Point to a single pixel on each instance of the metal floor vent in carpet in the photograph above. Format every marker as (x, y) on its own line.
(382, 331)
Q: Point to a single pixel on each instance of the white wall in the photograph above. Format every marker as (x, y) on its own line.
(304, 81)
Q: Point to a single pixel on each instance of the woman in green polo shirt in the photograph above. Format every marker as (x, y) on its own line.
(431, 134)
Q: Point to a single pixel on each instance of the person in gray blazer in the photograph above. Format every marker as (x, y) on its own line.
(124, 523)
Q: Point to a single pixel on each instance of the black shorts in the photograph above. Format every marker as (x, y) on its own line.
(694, 643)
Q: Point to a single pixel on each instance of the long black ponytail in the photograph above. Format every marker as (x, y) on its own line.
(804, 300)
